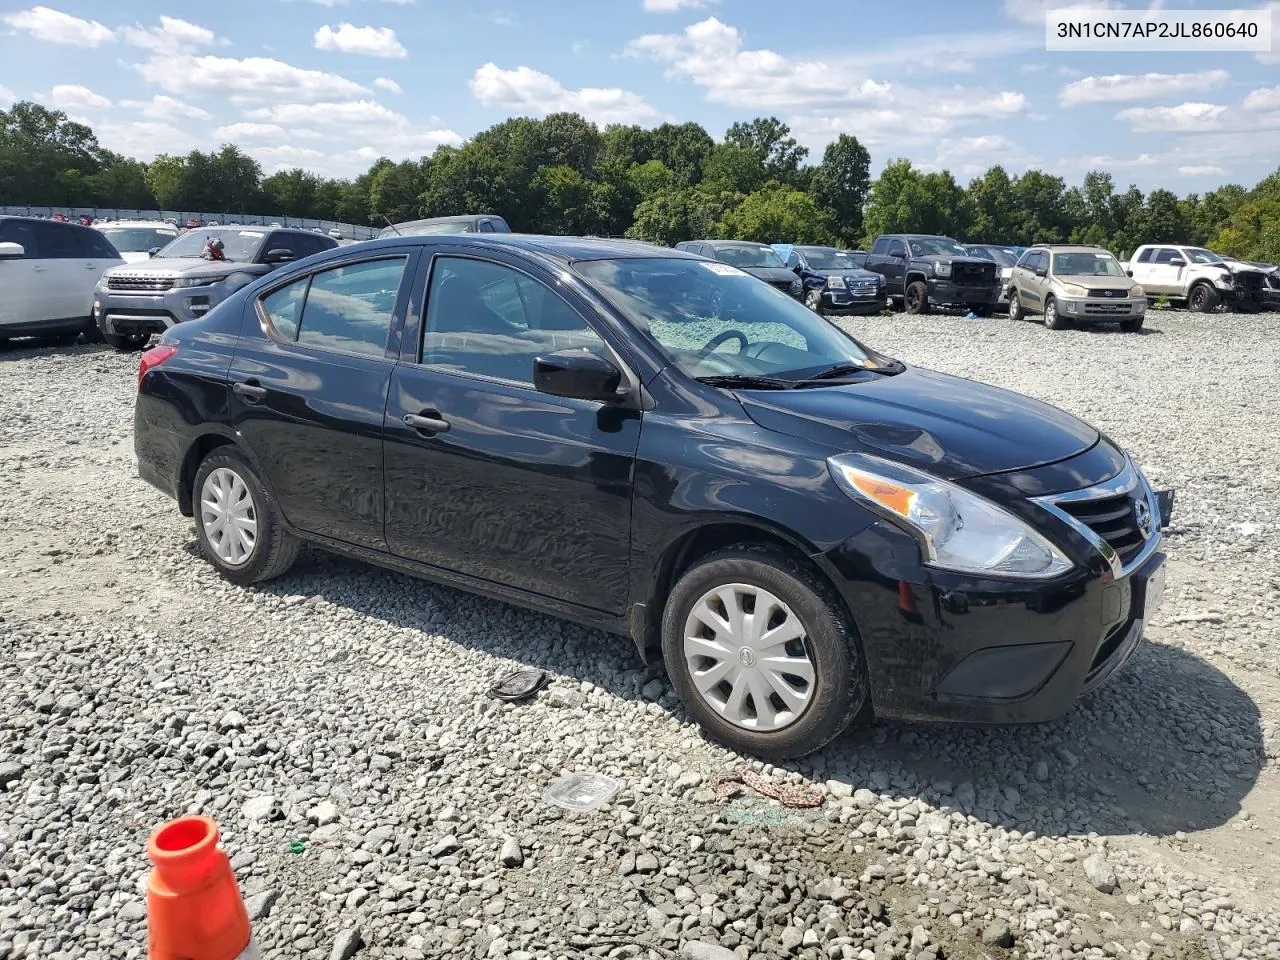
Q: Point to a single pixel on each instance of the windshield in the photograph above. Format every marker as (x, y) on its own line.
(820, 259)
(711, 320)
(238, 245)
(1001, 255)
(1201, 255)
(748, 256)
(1086, 265)
(429, 229)
(936, 247)
(138, 239)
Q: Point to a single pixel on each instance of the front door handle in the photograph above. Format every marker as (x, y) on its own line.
(249, 390)
(429, 421)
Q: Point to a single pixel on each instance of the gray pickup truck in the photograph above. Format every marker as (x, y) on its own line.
(922, 272)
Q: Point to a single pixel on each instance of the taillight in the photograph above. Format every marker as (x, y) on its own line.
(153, 358)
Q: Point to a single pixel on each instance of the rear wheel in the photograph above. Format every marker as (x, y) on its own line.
(127, 342)
(916, 299)
(237, 521)
(759, 648)
(1052, 319)
(1203, 298)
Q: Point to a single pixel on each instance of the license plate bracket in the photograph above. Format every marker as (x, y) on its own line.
(1164, 502)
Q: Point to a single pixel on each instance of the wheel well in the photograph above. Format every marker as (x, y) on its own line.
(694, 546)
(191, 463)
(913, 277)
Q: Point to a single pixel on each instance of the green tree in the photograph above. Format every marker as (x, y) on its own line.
(293, 193)
(394, 191)
(1164, 218)
(164, 179)
(1040, 215)
(568, 200)
(672, 215)
(992, 202)
(646, 179)
(122, 183)
(733, 168)
(769, 139)
(683, 148)
(44, 157)
(840, 184)
(774, 213)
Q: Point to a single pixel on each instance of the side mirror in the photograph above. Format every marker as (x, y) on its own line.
(897, 254)
(1177, 262)
(278, 255)
(577, 375)
(1042, 271)
(1128, 273)
(153, 251)
(797, 269)
(12, 251)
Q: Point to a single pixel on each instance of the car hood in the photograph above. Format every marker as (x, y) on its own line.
(771, 274)
(134, 256)
(948, 258)
(947, 426)
(849, 273)
(1098, 282)
(184, 267)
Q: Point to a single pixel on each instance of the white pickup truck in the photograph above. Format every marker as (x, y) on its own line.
(1197, 277)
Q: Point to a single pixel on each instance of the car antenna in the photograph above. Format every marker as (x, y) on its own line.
(392, 225)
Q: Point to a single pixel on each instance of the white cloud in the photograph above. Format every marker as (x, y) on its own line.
(526, 90)
(386, 83)
(1107, 162)
(246, 79)
(7, 96)
(380, 130)
(173, 36)
(55, 26)
(672, 6)
(1031, 12)
(1264, 98)
(238, 132)
(160, 107)
(1119, 87)
(1202, 170)
(579, 47)
(350, 113)
(1184, 118)
(1274, 55)
(367, 41)
(144, 139)
(70, 96)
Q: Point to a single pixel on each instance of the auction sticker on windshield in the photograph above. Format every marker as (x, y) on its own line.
(724, 270)
(251, 233)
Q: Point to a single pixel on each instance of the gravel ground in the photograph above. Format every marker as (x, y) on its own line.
(376, 804)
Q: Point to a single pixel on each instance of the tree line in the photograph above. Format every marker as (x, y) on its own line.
(563, 174)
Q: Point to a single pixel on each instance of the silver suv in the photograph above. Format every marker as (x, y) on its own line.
(135, 300)
(1070, 284)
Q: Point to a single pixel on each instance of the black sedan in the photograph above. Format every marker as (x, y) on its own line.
(809, 531)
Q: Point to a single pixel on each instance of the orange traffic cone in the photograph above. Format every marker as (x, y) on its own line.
(194, 910)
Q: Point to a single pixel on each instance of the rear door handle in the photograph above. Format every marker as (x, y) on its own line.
(249, 390)
(429, 421)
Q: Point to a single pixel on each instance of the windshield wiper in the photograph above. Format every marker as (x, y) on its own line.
(837, 370)
(746, 381)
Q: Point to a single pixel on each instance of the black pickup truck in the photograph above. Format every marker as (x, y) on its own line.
(924, 271)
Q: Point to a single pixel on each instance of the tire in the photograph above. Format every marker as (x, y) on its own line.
(1203, 298)
(916, 298)
(127, 342)
(1132, 325)
(813, 300)
(273, 549)
(821, 708)
(1052, 319)
(92, 334)
(1015, 306)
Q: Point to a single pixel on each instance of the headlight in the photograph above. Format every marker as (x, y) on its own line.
(1137, 291)
(879, 279)
(836, 283)
(1074, 290)
(796, 286)
(957, 530)
(942, 269)
(181, 282)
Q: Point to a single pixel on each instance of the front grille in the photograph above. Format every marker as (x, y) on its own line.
(863, 287)
(139, 284)
(1114, 519)
(973, 274)
(1108, 293)
(1107, 309)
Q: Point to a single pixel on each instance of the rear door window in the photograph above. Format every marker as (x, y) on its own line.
(58, 241)
(1165, 254)
(349, 308)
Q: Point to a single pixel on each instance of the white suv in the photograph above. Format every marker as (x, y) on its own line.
(136, 239)
(48, 271)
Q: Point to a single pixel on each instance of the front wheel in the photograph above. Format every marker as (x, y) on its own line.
(1052, 319)
(127, 342)
(1203, 298)
(758, 647)
(813, 300)
(237, 521)
(1015, 306)
(1132, 325)
(916, 299)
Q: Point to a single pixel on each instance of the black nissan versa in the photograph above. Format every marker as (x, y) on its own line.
(809, 531)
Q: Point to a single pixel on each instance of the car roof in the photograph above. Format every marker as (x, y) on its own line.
(816, 246)
(562, 249)
(732, 243)
(159, 224)
(460, 218)
(1085, 247)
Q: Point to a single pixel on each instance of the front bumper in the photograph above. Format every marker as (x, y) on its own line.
(1099, 309)
(944, 291)
(118, 312)
(839, 301)
(953, 647)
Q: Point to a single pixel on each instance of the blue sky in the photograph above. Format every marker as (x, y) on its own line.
(332, 84)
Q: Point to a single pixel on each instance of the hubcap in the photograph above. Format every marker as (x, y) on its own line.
(746, 654)
(228, 516)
